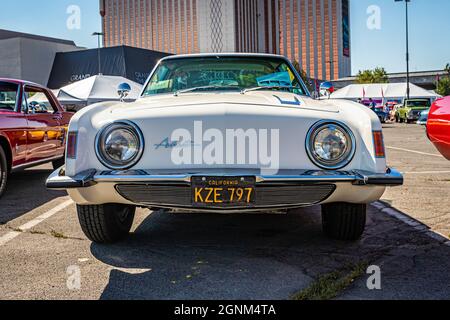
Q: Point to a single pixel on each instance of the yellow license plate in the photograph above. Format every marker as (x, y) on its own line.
(223, 191)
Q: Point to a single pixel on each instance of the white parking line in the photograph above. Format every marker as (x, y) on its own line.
(417, 225)
(418, 152)
(27, 226)
(427, 172)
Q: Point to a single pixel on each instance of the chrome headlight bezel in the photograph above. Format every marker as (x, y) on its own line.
(345, 159)
(105, 132)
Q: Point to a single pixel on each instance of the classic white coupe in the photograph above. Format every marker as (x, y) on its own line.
(224, 133)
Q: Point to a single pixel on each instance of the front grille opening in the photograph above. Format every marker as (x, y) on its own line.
(179, 195)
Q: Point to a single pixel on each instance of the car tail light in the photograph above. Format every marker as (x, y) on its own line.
(72, 145)
(379, 144)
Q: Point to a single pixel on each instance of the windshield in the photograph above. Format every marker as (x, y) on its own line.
(222, 74)
(8, 95)
(418, 103)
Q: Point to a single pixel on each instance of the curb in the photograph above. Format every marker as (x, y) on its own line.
(418, 226)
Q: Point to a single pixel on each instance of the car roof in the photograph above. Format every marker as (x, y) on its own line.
(17, 81)
(209, 55)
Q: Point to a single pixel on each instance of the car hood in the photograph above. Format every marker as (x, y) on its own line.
(254, 99)
(287, 116)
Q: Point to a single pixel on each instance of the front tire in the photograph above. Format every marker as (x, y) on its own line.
(3, 171)
(107, 223)
(344, 221)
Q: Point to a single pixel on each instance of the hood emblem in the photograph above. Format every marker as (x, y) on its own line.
(296, 102)
(169, 144)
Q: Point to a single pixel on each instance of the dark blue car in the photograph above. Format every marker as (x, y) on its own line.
(382, 115)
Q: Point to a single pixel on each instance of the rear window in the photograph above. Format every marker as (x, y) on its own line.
(8, 96)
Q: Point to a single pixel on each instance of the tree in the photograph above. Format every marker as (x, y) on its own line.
(443, 84)
(378, 75)
(364, 76)
(303, 75)
(447, 68)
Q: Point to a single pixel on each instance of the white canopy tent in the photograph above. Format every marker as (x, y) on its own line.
(96, 89)
(382, 90)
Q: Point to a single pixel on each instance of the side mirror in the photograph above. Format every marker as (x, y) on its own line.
(123, 90)
(326, 89)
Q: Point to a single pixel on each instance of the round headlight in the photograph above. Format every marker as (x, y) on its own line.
(120, 145)
(330, 145)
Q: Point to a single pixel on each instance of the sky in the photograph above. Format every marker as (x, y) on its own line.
(381, 43)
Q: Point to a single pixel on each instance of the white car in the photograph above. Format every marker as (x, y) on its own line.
(224, 133)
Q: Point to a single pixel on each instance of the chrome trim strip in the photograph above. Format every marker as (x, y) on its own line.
(35, 163)
(356, 177)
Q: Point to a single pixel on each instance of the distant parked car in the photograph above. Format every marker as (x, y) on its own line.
(381, 114)
(411, 110)
(438, 125)
(33, 127)
(423, 118)
(393, 112)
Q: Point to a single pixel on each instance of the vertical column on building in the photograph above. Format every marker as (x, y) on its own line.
(174, 27)
(149, 23)
(308, 39)
(323, 31)
(292, 29)
(314, 34)
(339, 35)
(300, 34)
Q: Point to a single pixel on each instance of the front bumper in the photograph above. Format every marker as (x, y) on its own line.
(413, 116)
(89, 178)
(288, 188)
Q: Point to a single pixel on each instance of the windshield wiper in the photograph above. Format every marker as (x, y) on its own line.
(176, 93)
(290, 88)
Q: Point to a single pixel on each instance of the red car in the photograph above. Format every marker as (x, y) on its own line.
(33, 127)
(438, 125)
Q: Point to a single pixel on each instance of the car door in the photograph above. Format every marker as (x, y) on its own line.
(44, 132)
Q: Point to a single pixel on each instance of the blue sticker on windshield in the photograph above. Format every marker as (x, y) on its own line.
(275, 79)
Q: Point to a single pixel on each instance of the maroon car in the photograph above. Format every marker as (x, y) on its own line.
(33, 127)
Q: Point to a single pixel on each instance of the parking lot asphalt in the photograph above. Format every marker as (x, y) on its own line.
(251, 256)
(425, 194)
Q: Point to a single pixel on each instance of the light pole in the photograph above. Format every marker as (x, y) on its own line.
(99, 35)
(407, 47)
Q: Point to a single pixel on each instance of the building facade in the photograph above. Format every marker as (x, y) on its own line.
(30, 57)
(316, 33)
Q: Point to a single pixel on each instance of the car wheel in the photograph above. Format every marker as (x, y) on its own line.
(344, 221)
(3, 171)
(58, 163)
(107, 223)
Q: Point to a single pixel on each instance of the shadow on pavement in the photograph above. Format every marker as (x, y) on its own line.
(254, 256)
(25, 192)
